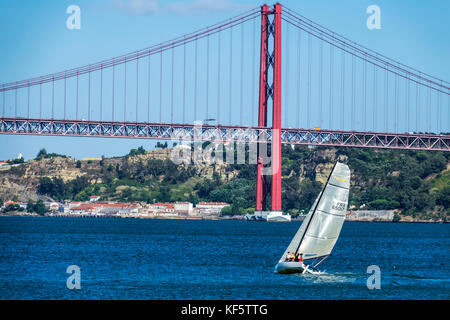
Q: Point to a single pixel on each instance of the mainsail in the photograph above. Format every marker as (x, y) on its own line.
(320, 230)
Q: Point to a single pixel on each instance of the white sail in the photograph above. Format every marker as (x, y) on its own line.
(320, 230)
(295, 243)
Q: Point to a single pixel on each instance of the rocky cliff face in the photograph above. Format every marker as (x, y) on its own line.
(21, 182)
(203, 169)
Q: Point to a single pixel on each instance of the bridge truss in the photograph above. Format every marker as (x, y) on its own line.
(188, 132)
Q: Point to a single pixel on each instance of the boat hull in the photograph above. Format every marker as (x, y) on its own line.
(289, 267)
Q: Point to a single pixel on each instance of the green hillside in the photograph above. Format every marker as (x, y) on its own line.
(416, 183)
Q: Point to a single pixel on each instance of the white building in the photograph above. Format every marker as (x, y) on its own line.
(210, 208)
(159, 209)
(121, 209)
(74, 204)
(371, 215)
(94, 198)
(183, 208)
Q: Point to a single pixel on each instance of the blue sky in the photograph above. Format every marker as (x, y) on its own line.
(35, 41)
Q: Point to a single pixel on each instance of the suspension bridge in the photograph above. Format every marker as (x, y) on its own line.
(310, 86)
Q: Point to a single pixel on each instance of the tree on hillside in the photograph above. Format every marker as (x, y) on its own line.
(40, 208)
(138, 151)
(238, 206)
(16, 161)
(164, 195)
(44, 155)
(30, 206)
(41, 154)
(13, 207)
(161, 145)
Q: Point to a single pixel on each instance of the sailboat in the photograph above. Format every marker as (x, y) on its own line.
(320, 229)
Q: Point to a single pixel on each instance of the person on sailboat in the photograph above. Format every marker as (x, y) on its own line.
(289, 256)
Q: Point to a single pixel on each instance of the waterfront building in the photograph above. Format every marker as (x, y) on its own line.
(161, 209)
(74, 204)
(370, 215)
(54, 206)
(210, 208)
(184, 208)
(106, 209)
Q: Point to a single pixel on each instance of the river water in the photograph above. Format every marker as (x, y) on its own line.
(187, 259)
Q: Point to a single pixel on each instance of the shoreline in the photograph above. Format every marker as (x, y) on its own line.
(210, 218)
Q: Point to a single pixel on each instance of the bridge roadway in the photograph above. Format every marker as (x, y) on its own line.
(220, 133)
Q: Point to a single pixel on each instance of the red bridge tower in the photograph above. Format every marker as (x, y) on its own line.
(270, 67)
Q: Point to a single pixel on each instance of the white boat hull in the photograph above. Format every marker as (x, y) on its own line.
(294, 267)
(289, 267)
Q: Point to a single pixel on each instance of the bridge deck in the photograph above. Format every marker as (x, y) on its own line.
(189, 132)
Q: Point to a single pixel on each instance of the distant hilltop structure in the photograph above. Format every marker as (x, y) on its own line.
(92, 159)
